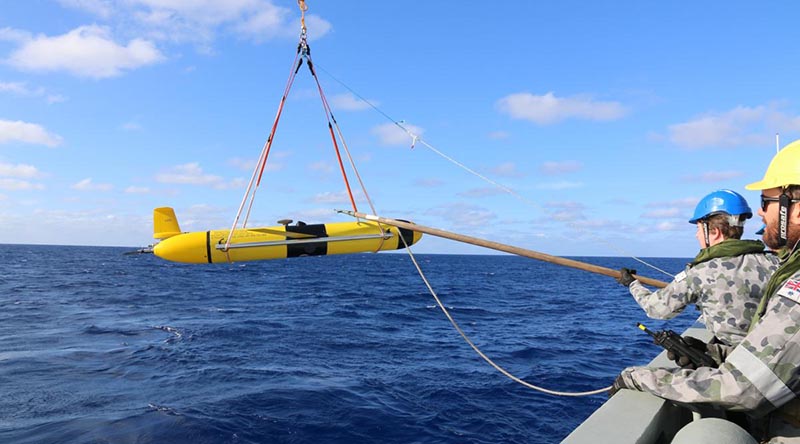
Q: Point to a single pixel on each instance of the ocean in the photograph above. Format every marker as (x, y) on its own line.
(101, 347)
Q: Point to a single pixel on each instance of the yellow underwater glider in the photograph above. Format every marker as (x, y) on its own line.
(278, 242)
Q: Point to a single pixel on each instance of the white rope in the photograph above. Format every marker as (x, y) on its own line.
(416, 139)
(479, 352)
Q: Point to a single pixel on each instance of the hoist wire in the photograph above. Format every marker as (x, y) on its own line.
(329, 116)
(262, 159)
(416, 139)
(344, 144)
(478, 350)
(303, 52)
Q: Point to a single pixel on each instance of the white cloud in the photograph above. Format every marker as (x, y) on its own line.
(88, 185)
(391, 134)
(549, 109)
(566, 216)
(461, 214)
(249, 164)
(429, 182)
(670, 226)
(566, 210)
(349, 102)
(199, 21)
(688, 202)
(482, 192)
(233, 184)
(27, 133)
(340, 197)
(137, 190)
(562, 185)
(100, 8)
(131, 126)
(243, 164)
(312, 215)
(587, 227)
(22, 89)
(192, 174)
(87, 51)
(14, 87)
(739, 126)
(506, 169)
(664, 213)
(55, 98)
(321, 166)
(14, 35)
(188, 174)
(498, 135)
(10, 184)
(19, 170)
(714, 176)
(571, 205)
(555, 168)
(317, 26)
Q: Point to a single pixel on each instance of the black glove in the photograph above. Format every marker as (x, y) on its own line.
(683, 361)
(626, 276)
(619, 384)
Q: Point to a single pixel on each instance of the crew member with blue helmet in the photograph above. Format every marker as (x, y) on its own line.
(760, 377)
(726, 279)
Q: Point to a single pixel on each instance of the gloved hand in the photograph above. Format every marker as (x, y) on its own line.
(683, 361)
(618, 385)
(626, 276)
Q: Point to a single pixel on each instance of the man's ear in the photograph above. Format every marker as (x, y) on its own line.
(714, 233)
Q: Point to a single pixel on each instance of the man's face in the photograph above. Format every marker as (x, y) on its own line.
(700, 235)
(769, 212)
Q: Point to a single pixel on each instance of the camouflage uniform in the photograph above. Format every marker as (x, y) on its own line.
(760, 376)
(725, 289)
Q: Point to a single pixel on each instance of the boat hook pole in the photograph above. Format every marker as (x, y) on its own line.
(501, 247)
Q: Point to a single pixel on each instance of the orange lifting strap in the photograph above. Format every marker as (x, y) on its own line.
(303, 53)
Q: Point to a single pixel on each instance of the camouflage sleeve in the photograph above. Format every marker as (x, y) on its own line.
(669, 301)
(758, 376)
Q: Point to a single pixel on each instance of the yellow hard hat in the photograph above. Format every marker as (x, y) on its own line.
(784, 170)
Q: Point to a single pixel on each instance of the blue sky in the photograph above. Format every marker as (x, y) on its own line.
(608, 120)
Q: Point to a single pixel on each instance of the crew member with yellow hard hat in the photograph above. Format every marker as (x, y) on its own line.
(760, 376)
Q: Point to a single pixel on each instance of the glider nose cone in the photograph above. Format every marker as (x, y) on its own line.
(190, 248)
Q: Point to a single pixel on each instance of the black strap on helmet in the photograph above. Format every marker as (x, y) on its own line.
(784, 202)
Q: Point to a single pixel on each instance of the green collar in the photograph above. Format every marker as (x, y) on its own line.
(728, 248)
(790, 264)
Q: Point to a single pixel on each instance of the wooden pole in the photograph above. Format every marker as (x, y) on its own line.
(502, 247)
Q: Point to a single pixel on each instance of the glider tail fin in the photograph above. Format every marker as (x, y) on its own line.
(165, 224)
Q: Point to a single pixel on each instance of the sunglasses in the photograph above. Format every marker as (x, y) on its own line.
(765, 201)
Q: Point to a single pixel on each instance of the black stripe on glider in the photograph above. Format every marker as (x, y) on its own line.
(310, 248)
(408, 235)
(208, 246)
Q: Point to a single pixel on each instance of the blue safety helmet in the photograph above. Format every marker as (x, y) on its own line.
(721, 201)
